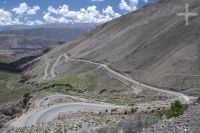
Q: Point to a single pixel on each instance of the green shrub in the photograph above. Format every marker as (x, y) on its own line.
(198, 100)
(133, 110)
(106, 111)
(176, 109)
(59, 130)
(126, 112)
(65, 130)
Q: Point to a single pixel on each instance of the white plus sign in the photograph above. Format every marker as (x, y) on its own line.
(187, 14)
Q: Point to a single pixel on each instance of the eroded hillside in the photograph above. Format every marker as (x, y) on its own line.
(20, 52)
(152, 45)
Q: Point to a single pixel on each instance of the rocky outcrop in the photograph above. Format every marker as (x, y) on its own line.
(187, 123)
(68, 87)
(14, 110)
(134, 124)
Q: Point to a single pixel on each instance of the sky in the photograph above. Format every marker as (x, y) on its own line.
(37, 12)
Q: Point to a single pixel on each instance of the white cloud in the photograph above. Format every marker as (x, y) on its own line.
(6, 17)
(47, 17)
(131, 6)
(63, 20)
(62, 14)
(17, 21)
(35, 22)
(38, 22)
(109, 11)
(24, 9)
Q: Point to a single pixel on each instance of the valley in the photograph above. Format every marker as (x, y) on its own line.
(136, 73)
(11, 90)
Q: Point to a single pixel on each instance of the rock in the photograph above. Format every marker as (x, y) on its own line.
(2, 124)
(189, 122)
(102, 91)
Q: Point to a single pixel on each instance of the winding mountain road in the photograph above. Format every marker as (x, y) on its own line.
(46, 71)
(182, 97)
(50, 113)
(46, 100)
(54, 66)
(43, 115)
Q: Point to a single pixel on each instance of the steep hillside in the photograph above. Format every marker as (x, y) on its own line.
(151, 45)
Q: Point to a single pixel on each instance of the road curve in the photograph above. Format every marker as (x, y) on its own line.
(47, 114)
(51, 112)
(44, 102)
(55, 65)
(46, 71)
(182, 97)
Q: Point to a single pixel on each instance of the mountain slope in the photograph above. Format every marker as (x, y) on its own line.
(14, 47)
(151, 45)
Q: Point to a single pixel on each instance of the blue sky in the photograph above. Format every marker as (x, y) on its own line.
(33, 12)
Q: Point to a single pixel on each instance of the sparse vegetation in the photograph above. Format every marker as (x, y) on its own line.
(133, 110)
(125, 112)
(88, 83)
(10, 89)
(71, 79)
(198, 100)
(176, 109)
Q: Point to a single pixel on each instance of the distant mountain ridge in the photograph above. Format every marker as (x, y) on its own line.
(14, 47)
(27, 42)
(54, 32)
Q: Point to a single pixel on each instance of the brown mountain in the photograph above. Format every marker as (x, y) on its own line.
(21, 49)
(152, 45)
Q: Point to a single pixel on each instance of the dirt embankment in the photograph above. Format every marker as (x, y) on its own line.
(14, 110)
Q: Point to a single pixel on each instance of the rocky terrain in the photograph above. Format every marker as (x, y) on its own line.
(14, 110)
(132, 124)
(71, 121)
(188, 123)
(82, 121)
